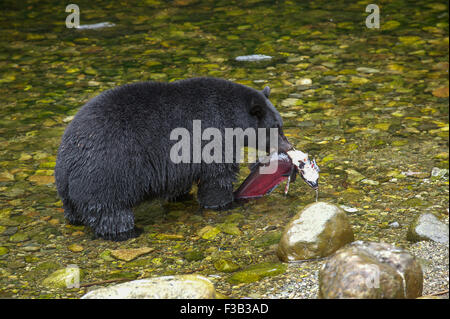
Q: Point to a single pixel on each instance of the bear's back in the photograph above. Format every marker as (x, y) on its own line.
(164, 105)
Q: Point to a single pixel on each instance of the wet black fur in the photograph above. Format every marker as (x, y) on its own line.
(115, 152)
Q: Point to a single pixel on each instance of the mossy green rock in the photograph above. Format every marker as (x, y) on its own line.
(166, 287)
(369, 270)
(257, 272)
(194, 255)
(106, 255)
(230, 228)
(3, 251)
(18, 238)
(225, 265)
(208, 232)
(427, 226)
(268, 239)
(67, 277)
(317, 231)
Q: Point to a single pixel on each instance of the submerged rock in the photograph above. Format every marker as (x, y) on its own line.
(428, 227)
(94, 26)
(253, 57)
(317, 231)
(257, 272)
(68, 277)
(195, 255)
(439, 173)
(130, 254)
(166, 287)
(208, 232)
(19, 237)
(371, 270)
(225, 265)
(3, 250)
(75, 248)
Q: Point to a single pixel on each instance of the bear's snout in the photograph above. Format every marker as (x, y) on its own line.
(283, 144)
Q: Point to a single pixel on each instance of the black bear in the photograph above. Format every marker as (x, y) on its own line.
(116, 151)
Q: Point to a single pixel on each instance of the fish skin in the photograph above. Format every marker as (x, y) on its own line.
(257, 184)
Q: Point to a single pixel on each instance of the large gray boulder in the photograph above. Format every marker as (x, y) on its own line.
(428, 227)
(371, 270)
(315, 232)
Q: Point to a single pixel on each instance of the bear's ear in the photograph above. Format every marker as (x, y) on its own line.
(266, 91)
(257, 110)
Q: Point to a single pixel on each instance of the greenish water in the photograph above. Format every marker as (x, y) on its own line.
(375, 117)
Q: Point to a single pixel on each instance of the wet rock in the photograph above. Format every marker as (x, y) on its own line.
(3, 251)
(394, 225)
(253, 57)
(230, 228)
(390, 25)
(19, 237)
(359, 80)
(371, 270)
(130, 254)
(169, 236)
(367, 70)
(225, 265)
(32, 247)
(75, 248)
(354, 176)
(94, 26)
(411, 40)
(268, 239)
(370, 182)
(194, 255)
(304, 81)
(439, 173)
(289, 102)
(67, 277)
(208, 232)
(6, 176)
(16, 264)
(68, 119)
(257, 272)
(349, 209)
(441, 92)
(42, 180)
(317, 231)
(106, 255)
(428, 227)
(167, 287)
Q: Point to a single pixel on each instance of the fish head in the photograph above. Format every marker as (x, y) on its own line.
(309, 171)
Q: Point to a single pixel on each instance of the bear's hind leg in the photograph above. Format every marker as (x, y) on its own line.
(70, 213)
(115, 224)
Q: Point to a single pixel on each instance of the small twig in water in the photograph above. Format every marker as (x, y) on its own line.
(443, 292)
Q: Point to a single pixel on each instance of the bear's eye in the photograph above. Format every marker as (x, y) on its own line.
(257, 110)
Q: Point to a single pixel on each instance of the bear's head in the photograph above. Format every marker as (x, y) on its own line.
(265, 115)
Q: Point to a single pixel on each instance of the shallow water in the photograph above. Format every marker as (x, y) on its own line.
(375, 117)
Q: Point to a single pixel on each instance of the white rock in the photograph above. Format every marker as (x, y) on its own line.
(96, 26)
(253, 57)
(304, 81)
(428, 227)
(349, 209)
(166, 287)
